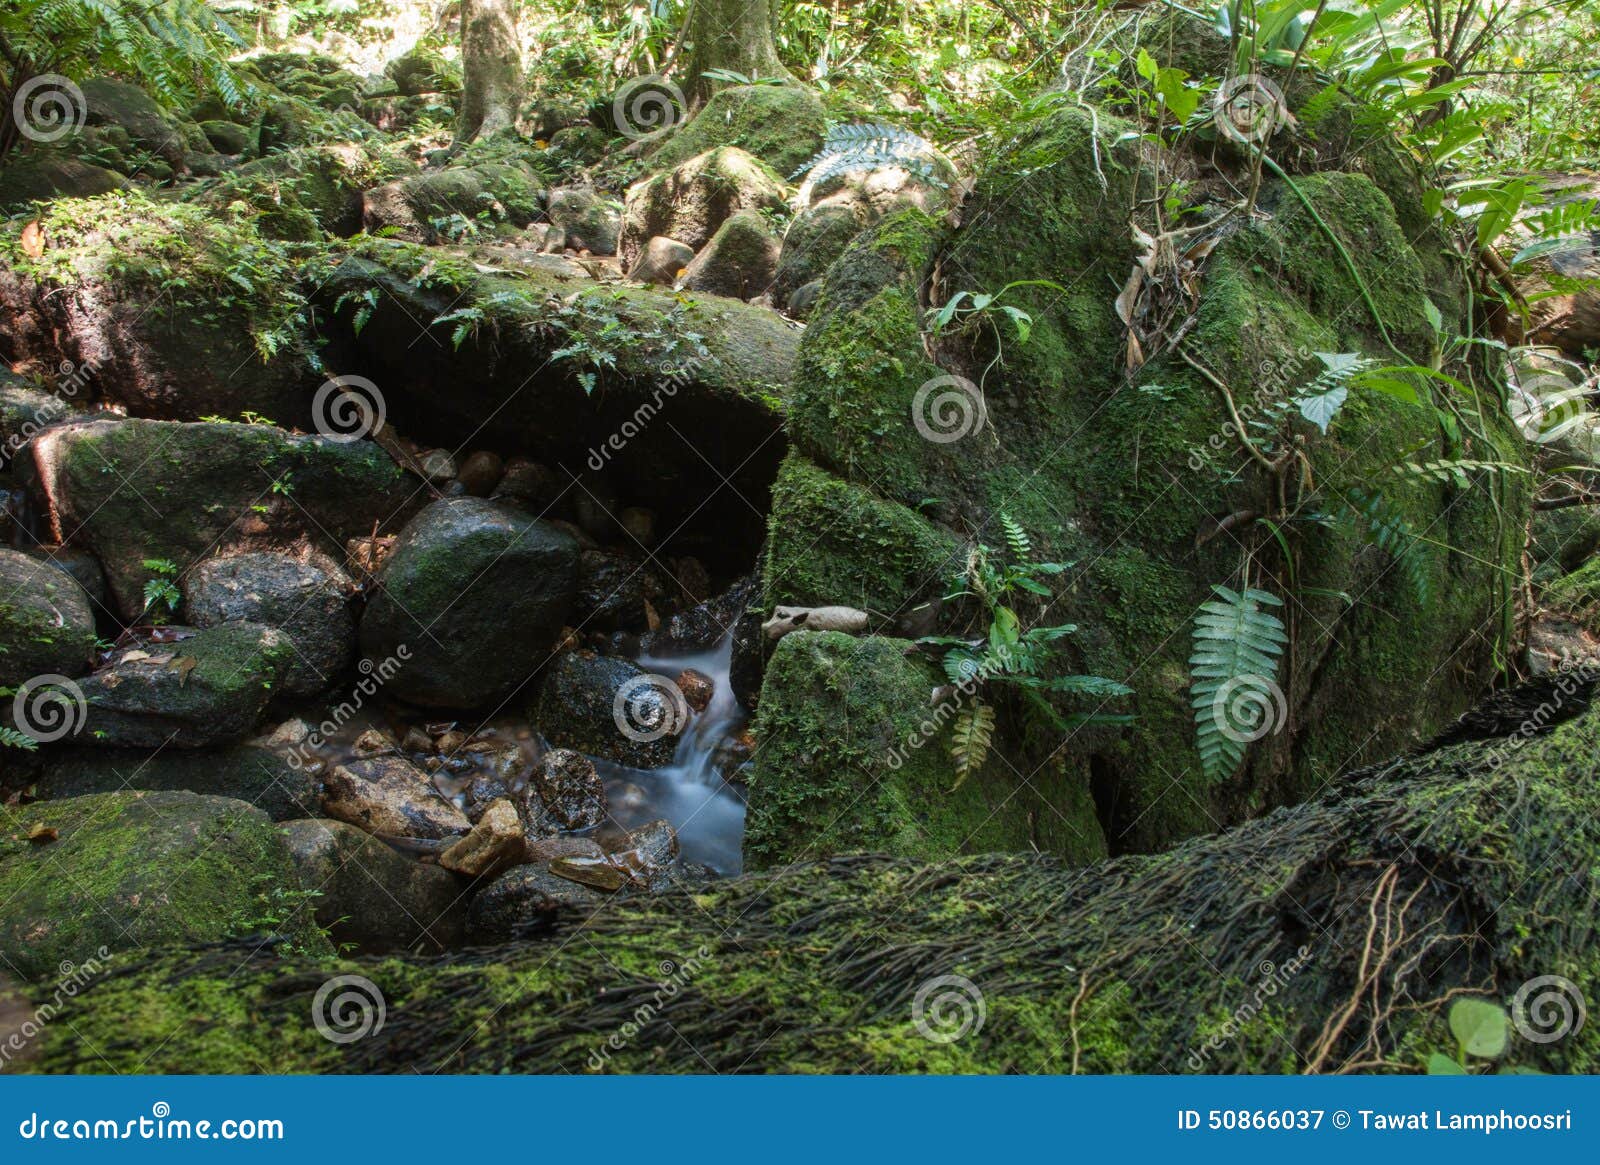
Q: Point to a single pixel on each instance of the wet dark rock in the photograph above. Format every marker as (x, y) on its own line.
(697, 688)
(611, 591)
(544, 850)
(579, 709)
(569, 789)
(389, 795)
(370, 895)
(474, 592)
(307, 601)
(215, 495)
(528, 483)
(198, 691)
(524, 901)
(599, 873)
(748, 660)
(481, 472)
(46, 621)
(704, 625)
(656, 843)
(248, 773)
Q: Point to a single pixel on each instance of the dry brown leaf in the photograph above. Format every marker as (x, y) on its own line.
(651, 620)
(1135, 352)
(33, 240)
(1129, 296)
(183, 665)
(41, 833)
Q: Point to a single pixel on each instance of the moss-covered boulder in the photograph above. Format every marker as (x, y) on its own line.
(300, 193)
(254, 775)
(1140, 480)
(171, 311)
(1476, 856)
(134, 491)
(309, 601)
(46, 621)
(45, 174)
(477, 193)
(149, 127)
(739, 261)
(582, 220)
(210, 688)
(227, 137)
(471, 598)
(423, 70)
(854, 754)
(782, 125)
(141, 871)
(691, 201)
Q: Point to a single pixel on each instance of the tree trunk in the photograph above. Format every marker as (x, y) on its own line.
(1327, 937)
(491, 61)
(735, 35)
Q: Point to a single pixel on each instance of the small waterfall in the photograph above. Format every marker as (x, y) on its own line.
(693, 793)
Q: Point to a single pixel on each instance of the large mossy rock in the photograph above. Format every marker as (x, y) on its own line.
(1131, 478)
(137, 490)
(586, 377)
(46, 621)
(170, 310)
(149, 127)
(689, 202)
(1472, 861)
(46, 174)
(135, 871)
(471, 599)
(472, 193)
(782, 125)
(210, 688)
(300, 193)
(848, 723)
(254, 775)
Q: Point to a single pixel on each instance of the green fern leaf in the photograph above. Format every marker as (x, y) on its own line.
(1233, 670)
(1389, 530)
(974, 733)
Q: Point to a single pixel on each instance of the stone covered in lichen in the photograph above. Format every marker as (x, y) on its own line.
(46, 621)
(780, 124)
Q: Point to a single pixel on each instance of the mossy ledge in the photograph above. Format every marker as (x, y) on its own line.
(1477, 858)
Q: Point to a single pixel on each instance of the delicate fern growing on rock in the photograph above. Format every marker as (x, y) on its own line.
(1386, 527)
(1234, 690)
(11, 738)
(1009, 654)
(874, 147)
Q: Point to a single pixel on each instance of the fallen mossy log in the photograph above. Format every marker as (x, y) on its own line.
(1327, 937)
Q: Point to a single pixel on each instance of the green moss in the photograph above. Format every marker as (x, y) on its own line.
(780, 124)
(852, 756)
(834, 543)
(140, 870)
(1579, 592)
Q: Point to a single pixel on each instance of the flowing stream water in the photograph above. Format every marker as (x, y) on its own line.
(694, 793)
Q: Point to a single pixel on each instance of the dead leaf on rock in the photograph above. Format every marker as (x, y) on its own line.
(183, 665)
(42, 834)
(33, 240)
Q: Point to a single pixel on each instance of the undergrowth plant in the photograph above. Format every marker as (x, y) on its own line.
(1010, 653)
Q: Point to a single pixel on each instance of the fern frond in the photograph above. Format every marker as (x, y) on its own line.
(1454, 472)
(1390, 532)
(974, 734)
(873, 147)
(11, 738)
(1017, 540)
(1233, 670)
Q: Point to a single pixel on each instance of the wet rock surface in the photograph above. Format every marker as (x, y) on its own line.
(610, 708)
(388, 795)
